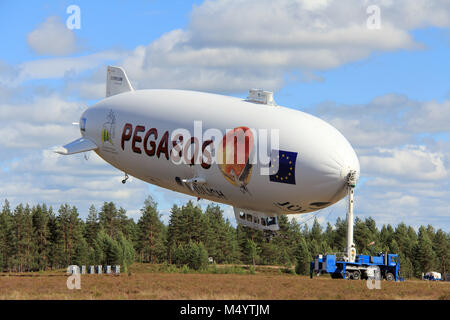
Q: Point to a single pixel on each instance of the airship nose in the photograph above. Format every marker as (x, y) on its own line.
(334, 158)
(341, 160)
(346, 159)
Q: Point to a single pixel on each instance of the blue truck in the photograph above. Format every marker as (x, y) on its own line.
(349, 265)
(339, 267)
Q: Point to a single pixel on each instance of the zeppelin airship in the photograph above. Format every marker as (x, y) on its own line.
(263, 159)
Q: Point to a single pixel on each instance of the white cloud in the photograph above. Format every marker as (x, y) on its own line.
(386, 121)
(67, 68)
(55, 68)
(431, 117)
(42, 109)
(393, 183)
(89, 89)
(291, 24)
(409, 162)
(415, 14)
(40, 122)
(404, 201)
(52, 37)
(20, 135)
(366, 133)
(234, 45)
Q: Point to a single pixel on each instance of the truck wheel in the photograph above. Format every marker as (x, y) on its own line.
(347, 275)
(389, 276)
(356, 275)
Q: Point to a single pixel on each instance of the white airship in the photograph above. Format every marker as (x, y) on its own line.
(150, 134)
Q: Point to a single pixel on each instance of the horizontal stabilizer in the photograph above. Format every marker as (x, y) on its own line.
(117, 81)
(77, 146)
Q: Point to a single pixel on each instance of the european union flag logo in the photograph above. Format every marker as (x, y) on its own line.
(286, 166)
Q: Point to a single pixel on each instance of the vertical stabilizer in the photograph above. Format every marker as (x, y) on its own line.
(117, 81)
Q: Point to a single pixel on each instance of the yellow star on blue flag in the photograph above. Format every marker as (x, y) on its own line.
(286, 166)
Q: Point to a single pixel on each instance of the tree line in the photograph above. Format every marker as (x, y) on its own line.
(38, 238)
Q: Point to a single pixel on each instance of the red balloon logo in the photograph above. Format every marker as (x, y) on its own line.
(234, 154)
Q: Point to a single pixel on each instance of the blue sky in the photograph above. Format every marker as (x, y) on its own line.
(105, 24)
(386, 90)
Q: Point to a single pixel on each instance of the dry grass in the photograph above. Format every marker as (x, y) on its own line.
(142, 284)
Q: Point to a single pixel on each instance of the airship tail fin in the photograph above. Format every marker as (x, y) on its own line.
(117, 81)
(77, 146)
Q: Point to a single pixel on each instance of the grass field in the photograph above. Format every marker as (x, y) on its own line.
(147, 282)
